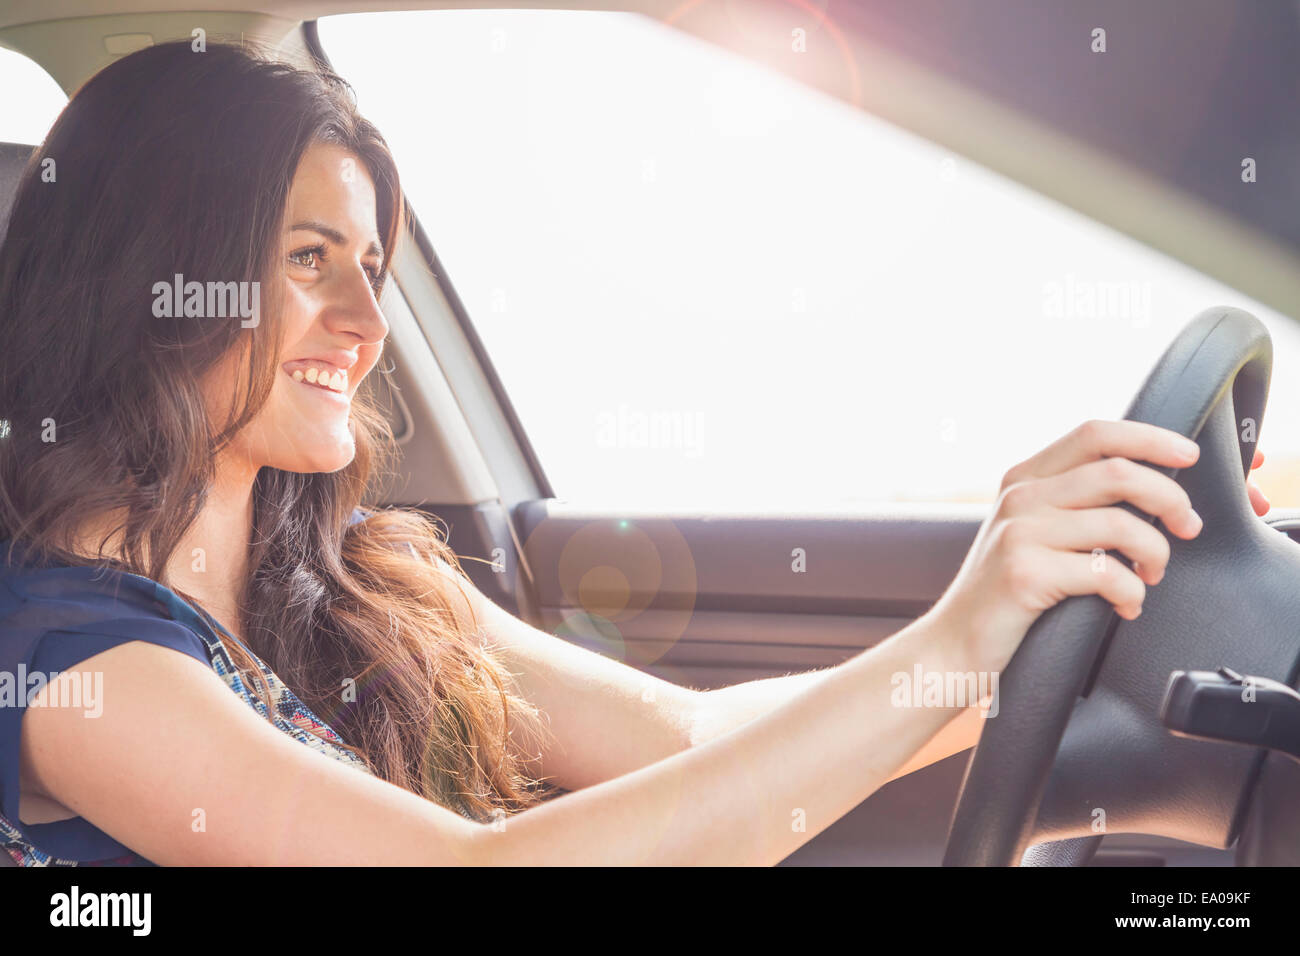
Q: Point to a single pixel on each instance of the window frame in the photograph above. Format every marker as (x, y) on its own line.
(512, 494)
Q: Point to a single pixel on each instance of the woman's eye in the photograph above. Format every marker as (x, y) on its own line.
(312, 259)
(298, 257)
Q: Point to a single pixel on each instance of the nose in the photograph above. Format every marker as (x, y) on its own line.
(355, 312)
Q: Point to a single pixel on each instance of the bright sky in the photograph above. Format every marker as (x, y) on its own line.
(705, 285)
(31, 102)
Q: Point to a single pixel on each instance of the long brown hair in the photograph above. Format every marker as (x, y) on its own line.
(171, 161)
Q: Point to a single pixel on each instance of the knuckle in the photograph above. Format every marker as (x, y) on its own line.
(1014, 534)
(1091, 431)
(1139, 534)
(1115, 526)
(1118, 471)
(1171, 504)
(1017, 497)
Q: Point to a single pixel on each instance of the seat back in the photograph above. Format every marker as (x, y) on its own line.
(13, 158)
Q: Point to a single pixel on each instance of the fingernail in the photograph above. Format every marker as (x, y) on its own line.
(1196, 520)
(1189, 448)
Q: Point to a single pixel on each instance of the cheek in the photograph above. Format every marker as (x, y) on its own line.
(219, 387)
(299, 308)
(369, 358)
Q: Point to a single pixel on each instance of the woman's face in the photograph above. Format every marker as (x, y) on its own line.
(333, 327)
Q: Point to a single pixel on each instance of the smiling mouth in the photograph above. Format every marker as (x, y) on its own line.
(319, 375)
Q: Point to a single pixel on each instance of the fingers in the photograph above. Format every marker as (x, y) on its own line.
(1098, 439)
(1258, 502)
(1109, 481)
(1079, 574)
(1109, 529)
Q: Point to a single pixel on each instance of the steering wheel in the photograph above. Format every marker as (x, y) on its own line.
(1077, 748)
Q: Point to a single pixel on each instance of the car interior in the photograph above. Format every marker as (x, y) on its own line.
(706, 598)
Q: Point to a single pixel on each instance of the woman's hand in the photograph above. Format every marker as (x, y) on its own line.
(1055, 518)
(1257, 499)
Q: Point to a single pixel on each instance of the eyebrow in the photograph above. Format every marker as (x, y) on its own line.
(334, 236)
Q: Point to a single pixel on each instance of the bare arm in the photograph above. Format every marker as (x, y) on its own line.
(252, 795)
(608, 719)
(605, 718)
(756, 793)
(720, 710)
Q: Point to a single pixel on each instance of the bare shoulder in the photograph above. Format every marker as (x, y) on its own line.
(183, 771)
(56, 738)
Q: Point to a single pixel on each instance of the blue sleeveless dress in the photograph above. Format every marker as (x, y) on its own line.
(54, 617)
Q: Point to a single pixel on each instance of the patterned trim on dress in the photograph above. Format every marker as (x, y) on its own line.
(291, 715)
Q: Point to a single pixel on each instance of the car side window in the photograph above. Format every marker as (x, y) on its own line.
(27, 118)
(704, 284)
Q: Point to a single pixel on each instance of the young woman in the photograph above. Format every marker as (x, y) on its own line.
(217, 657)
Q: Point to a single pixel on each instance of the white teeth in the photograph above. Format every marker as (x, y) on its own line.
(336, 382)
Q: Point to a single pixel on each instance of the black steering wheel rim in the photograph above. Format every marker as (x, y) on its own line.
(1218, 367)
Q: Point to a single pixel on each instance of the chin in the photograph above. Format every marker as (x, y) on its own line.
(317, 463)
(301, 446)
(313, 454)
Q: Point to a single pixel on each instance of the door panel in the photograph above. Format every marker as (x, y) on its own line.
(712, 600)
